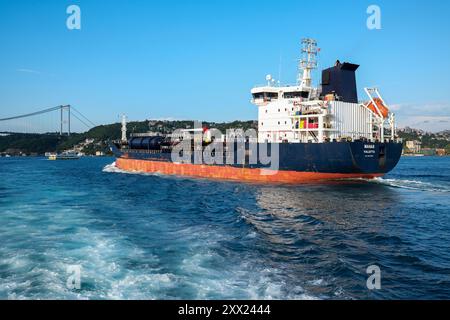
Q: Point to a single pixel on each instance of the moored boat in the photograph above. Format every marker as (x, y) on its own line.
(63, 156)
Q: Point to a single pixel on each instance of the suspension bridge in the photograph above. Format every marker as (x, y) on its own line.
(59, 119)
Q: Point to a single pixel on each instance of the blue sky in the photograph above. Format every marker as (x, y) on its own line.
(199, 59)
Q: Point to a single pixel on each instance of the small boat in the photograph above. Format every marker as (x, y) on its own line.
(64, 156)
(415, 155)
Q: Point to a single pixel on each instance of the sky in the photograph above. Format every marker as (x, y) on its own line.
(198, 60)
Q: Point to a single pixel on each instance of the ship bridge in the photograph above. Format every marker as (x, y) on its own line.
(265, 94)
(302, 113)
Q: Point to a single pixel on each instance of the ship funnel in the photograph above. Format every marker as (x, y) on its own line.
(340, 81)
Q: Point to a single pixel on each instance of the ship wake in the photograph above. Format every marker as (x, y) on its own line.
(410, 184)
(112, 168)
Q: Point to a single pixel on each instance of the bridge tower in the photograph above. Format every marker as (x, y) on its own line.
(65, 119)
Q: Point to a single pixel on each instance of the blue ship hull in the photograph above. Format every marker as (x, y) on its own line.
(327, 160)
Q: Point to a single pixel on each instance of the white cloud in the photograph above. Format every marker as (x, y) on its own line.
(427, 123)
(441, 108)
(396, 107)
(28, 71)
(431, 117)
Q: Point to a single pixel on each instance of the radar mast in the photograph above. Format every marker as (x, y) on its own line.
(308, 62)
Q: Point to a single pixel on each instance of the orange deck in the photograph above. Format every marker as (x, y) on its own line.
(231, 173)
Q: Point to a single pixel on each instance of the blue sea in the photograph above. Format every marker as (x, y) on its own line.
(136, 236)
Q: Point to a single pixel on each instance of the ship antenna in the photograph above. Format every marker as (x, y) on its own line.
(308, 62)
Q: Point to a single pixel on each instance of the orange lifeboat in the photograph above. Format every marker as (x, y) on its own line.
(381, 107)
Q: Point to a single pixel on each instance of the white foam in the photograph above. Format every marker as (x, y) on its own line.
(141, 286)
(104, 272)
(409, 184)
(240, 280)
(112, 168)
(251, 235)
(317, 282)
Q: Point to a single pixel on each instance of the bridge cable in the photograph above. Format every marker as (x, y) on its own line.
(88, 126)
(32, 114)
(76, 110)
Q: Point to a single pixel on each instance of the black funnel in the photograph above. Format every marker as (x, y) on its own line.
(341, 81)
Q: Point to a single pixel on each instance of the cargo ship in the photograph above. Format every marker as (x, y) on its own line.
(305, 133)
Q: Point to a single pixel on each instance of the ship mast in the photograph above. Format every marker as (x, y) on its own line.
(124, 128)
(308, 62)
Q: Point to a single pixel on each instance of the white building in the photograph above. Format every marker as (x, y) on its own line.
(414, 146)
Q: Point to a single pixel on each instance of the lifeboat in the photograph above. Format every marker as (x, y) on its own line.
(380, 107)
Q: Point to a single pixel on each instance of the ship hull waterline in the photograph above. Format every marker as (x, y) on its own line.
(228, 173)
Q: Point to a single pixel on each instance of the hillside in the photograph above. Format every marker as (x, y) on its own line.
(16, 143)
(440, 140)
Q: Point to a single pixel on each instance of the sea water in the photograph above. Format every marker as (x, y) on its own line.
(137, 236)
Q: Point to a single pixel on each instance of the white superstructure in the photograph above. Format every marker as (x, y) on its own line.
(301, 113)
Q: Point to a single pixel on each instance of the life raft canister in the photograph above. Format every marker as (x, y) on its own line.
(381, 107)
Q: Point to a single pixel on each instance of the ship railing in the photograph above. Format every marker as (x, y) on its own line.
(147, 134)
(277, 85)
(143, 151)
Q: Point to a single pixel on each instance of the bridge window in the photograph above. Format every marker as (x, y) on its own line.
(296, 94)
(259, 95)
(265, 95)
(271, 95)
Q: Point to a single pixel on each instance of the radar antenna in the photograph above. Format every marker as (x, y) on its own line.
(308, 62)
